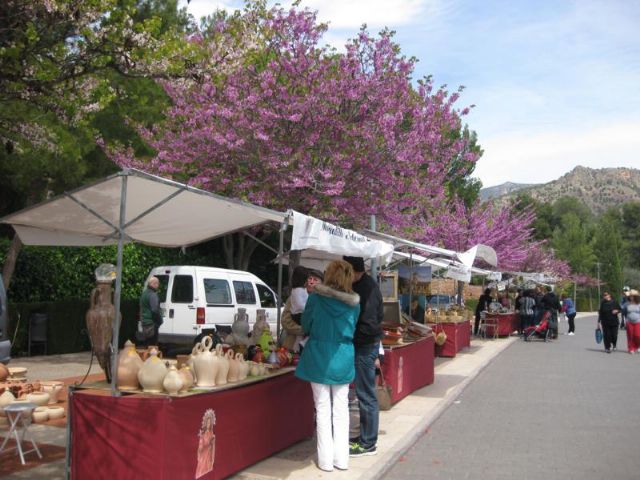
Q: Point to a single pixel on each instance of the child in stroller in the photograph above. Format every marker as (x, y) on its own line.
(541, 330)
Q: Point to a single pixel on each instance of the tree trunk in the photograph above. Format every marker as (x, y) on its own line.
(10, 261)
(238, 249)
(227, 247)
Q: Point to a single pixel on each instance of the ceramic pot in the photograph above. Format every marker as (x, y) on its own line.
(243, 367)
(234, 367)
(188, 379)
(5, 399)
(197, 350)
(99, 320)
(206, 364)
(55, 412)
(53, 389)
(40, 414)
(39, 398)
(261, 324)
(223, 366)
(152, 373)
(4, 372)
(172, 382)
(240, 327)
(17, 373)
(129, 364)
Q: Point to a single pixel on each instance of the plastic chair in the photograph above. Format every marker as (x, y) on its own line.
(488, 326)
(38, 331)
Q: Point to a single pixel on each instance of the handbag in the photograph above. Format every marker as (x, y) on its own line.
(383, 392)
(598, 335)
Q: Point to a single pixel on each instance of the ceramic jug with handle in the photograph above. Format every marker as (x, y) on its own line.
(206, 364)
(172, 382)
(129, 363)
(243, 366)
(223, 366)
(234, 367)
(152, 373)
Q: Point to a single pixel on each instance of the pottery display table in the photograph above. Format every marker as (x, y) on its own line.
(406, 368)
(206, 436)
(458, 337)
(507, 323)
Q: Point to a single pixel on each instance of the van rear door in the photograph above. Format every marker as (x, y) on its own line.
(218, 299)
(180, 307)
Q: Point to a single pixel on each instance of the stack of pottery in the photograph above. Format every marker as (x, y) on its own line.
(129, 364)
(152, 373)
(40, 414)
(53, 388)
(206, 363)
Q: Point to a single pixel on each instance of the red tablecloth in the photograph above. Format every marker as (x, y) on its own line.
(409, 367)
(172, 438)
(507, 323)
(458, 337)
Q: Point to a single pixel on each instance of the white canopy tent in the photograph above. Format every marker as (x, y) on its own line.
(134, 206)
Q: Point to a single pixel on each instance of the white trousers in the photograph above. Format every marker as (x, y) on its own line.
(332, 424)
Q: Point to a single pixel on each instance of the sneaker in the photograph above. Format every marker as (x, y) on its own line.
(570, 333)
(608, 350)
(614, 349)
(359, 451)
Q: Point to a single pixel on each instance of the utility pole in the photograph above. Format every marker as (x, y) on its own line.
(598, 272)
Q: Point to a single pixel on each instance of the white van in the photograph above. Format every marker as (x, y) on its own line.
(196, 298)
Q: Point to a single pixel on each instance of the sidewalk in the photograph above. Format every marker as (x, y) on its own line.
(400, 427)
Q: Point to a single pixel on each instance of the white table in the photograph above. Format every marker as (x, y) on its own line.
(19, 417)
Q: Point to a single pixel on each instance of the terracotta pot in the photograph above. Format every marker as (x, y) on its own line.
(56, 412)
(152, 373)
(172, 382)
(53, 389)
(40, 414)
(129, 364)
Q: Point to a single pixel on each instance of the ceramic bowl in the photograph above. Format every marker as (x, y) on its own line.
(56, 412)
(39, 398)
(17, 373)
(40, 414)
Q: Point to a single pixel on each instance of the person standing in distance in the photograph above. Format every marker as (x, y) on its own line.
(150, 312)
(367, 344)
(608, 321)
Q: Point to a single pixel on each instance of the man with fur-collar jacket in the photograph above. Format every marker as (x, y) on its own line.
(367, 345)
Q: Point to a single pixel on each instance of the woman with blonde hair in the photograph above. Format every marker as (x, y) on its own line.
(328, 362)
(632, 310)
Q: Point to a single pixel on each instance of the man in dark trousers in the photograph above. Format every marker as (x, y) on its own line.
(551, 304)
(150, 316)
(366, 341)
(608, 321)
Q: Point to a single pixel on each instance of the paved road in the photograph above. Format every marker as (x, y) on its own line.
(562, 410)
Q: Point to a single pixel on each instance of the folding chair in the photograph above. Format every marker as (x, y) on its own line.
(488, 326)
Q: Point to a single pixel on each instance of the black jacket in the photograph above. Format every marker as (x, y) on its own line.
(550, 301)
(605, 314)
(368, 328)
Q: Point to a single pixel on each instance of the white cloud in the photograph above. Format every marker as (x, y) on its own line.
(202, 8)
(546, 156)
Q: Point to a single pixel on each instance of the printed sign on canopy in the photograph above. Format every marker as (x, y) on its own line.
(314, 234)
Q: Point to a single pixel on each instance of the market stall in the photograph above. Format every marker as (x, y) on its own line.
(458, 337)
(205, 435)
(408, 367)
(506, 323)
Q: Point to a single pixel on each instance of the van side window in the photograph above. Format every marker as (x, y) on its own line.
(182, 291)
(244, 293)
(217, 291)
(267, 298)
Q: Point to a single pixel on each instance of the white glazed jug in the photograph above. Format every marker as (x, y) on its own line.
(172, 382)
(152, 373)
(243, 366)
(223, 366)
(234, 367)
(206, 364)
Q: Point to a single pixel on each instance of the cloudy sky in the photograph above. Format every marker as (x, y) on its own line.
(555, 83)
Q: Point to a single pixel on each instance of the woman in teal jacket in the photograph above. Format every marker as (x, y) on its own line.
(327, 361)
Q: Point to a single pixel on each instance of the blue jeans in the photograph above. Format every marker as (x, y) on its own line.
(366, 391)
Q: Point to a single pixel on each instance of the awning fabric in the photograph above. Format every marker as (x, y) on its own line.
(323, 240)
(157, 212)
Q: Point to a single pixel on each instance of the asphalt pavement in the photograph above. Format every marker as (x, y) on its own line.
(559, 410)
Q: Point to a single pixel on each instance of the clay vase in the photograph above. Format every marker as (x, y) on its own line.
(243, 367)
(172, 382)
(240, 327)
(260, 326)
(152, 373)
(188, 379)
(129, 364)
(5, 399)
(234, 368)
(4, 372)
(223, 366)
(53, 389)
(197, 350)
(99, 321)
(206, 365)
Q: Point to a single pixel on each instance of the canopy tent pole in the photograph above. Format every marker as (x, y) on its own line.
(374, 260)
(283, 227)
(116, 299)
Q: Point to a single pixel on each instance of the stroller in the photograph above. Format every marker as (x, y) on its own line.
(541, 330)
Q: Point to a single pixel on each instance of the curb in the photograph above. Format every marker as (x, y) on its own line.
(381, 468)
